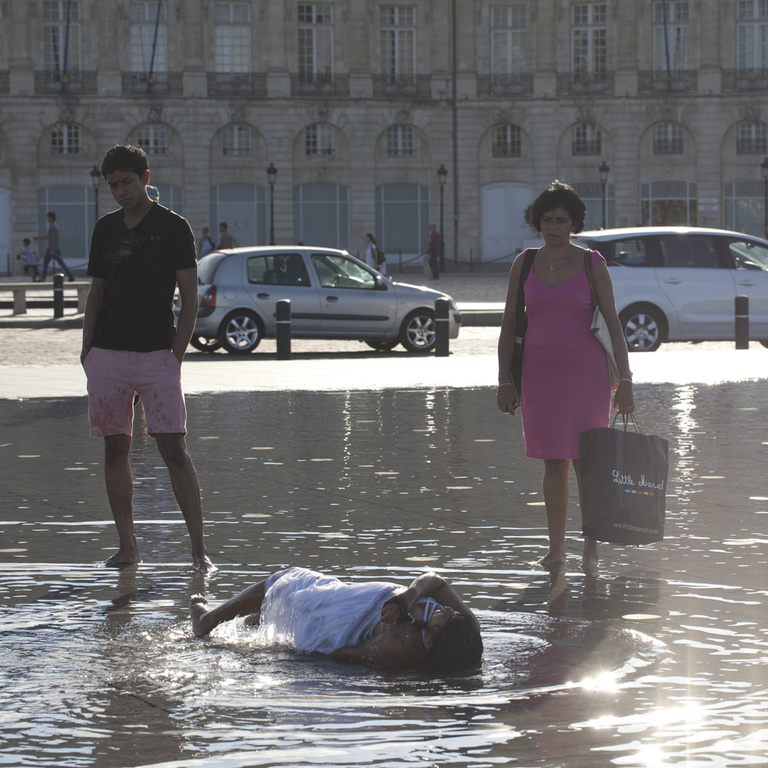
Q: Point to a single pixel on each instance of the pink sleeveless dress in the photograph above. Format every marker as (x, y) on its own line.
(566, 388)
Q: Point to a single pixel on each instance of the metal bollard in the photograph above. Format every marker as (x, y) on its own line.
(283, 313)
(441, 328)
(742, 322)
(58, 295)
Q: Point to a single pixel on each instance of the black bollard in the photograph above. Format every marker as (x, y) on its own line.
(58, 295)
(441, 328)
(742, 322)
(283, 314)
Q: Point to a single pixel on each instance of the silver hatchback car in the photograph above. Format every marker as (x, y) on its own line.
(333, 295)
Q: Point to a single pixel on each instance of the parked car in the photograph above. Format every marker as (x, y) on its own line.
(333, 295)
(680, 283)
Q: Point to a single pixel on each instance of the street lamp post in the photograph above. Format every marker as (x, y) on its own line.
(603, 170)
(764, 171)
(442, 174)
(272, 177)
(96, 181)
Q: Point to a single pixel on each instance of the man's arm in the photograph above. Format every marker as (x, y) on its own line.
(92, 308)
(393, 647)
(187, 280)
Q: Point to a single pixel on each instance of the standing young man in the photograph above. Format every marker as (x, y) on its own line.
(139, 253)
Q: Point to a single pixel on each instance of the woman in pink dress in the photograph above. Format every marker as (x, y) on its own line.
(566, 387)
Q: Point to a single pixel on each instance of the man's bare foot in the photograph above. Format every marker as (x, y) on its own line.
(123, 559)
(203, 564)
(198, 610)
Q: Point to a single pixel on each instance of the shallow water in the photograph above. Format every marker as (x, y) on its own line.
(660, 661)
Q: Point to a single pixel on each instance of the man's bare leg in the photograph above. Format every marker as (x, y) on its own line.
(186, 488)
(119, 482)
(205, 619)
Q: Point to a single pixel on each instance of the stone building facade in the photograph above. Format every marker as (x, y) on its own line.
(358, 103)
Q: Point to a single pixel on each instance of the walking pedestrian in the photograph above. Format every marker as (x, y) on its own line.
(53, 251)
(433, 247)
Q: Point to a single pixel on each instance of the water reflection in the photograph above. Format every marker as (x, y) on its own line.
(660, 660)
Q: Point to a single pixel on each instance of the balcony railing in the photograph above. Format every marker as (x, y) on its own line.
(159, 83)
(251, 85)
(320, 85)
(745, 80)
(505, 85)
(661, 81)
(588, 83)
(74, 82)
(402, 86)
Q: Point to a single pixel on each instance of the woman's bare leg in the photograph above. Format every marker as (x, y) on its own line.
(589, 559)
(555, 486)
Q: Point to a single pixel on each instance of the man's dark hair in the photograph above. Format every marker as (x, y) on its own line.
(51, 215)
(559, 195)
(456, 645)
(125, 157)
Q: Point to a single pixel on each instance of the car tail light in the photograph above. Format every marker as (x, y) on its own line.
(209, 298)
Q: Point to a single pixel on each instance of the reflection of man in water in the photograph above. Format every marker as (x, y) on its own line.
(370, 622)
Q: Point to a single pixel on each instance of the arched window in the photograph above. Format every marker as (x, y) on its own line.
(153, 138)
(237, 140)
(319, 140)
(401, 141)
(587, 139)
(507, 141)
(65, 139)
(668, 139)
(751, 138)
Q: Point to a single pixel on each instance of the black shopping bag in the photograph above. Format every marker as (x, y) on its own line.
(623, 485)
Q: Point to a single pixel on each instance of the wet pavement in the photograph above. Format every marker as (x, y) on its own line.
(374, 466)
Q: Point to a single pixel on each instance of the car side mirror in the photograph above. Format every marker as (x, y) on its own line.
(381, 284)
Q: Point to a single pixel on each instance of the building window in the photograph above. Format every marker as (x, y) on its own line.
(589, 46)
(671, 203)
(65, 139)
(670, 36)
(319, 140)
(506, 141)
(237, 140)
(752, 36)
(315, 42)
(398, 42)
(57, 41)
(153, 138)
(145, 51)
(401, 141)
(232, 37)
(668, 139)
(752, 139)
(587, 140)
(507, 40)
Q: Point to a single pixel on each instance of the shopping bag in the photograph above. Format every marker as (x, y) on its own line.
(623, 485)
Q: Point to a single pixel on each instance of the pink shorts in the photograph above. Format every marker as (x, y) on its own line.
(115, 375)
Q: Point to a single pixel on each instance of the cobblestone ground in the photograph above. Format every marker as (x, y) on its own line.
(53, 346)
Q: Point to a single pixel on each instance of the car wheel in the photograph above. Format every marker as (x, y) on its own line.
(241, 332)
(205, 344)
(643, 327)
(418, 331)
(383, 345)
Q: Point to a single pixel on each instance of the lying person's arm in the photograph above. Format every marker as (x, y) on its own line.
(395, 645)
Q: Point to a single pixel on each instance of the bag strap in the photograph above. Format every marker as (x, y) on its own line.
(590, 276)
(628, 420)
(530, 255)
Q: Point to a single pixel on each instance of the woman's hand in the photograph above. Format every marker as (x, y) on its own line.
(624, 400)
(507, 398)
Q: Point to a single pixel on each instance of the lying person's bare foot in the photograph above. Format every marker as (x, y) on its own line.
(253, 620)
(198, 611)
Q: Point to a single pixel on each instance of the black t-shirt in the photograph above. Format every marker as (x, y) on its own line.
(140, 268)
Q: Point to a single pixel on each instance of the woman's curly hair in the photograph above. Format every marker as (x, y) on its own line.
(559, 195)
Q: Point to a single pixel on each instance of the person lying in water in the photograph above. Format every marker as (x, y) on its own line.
(371, 622)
